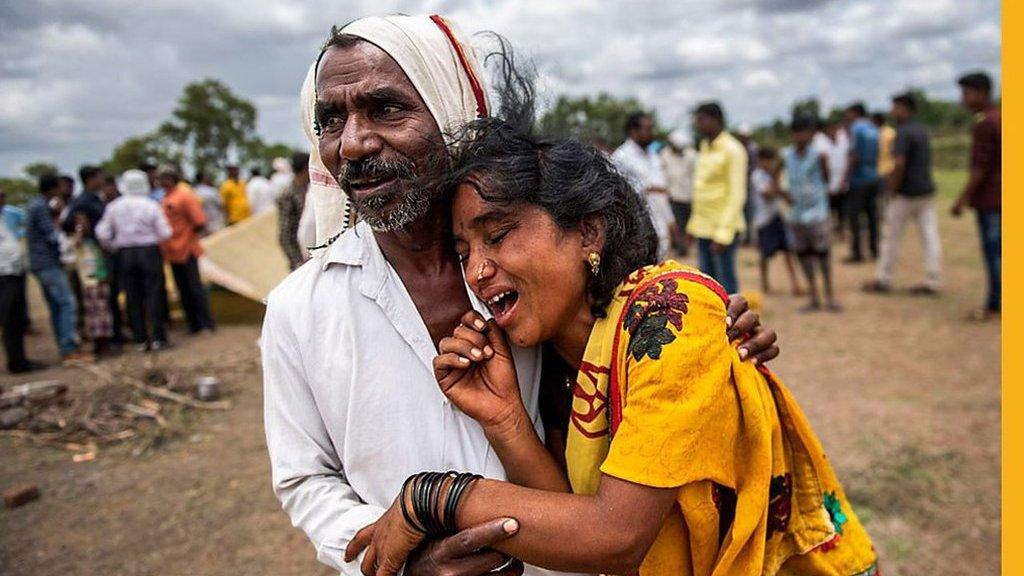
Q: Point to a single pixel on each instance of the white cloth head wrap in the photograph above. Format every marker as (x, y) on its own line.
(134, 183)
(440, 64)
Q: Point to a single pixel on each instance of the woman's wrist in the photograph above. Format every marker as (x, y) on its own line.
(510, 430)
(429, 501)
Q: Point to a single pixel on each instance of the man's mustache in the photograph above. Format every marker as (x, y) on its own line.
(375, 168)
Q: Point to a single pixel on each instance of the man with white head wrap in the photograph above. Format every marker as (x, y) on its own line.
(351, 405)
(438, 63)
(133, 226)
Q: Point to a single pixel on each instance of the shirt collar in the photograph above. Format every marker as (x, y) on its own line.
(350, 248)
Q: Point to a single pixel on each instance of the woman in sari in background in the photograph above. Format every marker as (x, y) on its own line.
(680, 458)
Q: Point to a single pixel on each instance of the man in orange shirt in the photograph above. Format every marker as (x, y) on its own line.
(182, 250)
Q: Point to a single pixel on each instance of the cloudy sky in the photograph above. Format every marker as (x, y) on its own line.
(78, 76)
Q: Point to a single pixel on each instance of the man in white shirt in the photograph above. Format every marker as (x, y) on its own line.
(678, 160)
(133, 226)
(12, 288)
(351, 405)
(259, 192)
(835, 144)
(643, 170)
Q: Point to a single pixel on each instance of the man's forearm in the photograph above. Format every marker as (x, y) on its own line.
(329, 512)
(307, 473)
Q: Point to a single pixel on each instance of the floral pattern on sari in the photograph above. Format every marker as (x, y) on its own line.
(649, 316)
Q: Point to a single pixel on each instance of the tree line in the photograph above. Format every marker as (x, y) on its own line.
(208, 125)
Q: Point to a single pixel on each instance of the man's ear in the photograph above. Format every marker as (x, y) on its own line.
(592, 233)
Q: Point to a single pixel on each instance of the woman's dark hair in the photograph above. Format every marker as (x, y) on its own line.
(567, 179)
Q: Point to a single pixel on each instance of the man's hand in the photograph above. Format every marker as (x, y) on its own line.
(959, 206)
(466, 553)
(757, 342)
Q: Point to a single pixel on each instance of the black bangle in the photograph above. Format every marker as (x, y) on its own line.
(426, 502)
(405, 510)
(435, 498)
(459, 486)
(434, 495)
(420, 498)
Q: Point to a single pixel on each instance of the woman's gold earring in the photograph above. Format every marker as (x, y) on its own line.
(595, 263)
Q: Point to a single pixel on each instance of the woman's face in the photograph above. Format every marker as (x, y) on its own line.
(530, 273)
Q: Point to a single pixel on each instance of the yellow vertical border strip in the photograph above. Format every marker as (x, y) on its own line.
(1012, 330)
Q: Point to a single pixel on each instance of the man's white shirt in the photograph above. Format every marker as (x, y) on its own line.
(260, 193)
(837, 152)
(679, 170)
(643, 170)
(640, 167)
(351, 404)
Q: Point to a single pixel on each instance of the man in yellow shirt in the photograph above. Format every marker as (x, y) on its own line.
(719, 192)
(232, 194)
(886, 141)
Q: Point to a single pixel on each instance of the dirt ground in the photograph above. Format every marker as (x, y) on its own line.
(903, 392)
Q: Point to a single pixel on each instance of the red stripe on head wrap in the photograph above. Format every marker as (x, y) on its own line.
(474, 82)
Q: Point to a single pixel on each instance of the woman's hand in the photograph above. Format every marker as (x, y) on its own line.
(757, 343)
(388, 543)
(476, 372)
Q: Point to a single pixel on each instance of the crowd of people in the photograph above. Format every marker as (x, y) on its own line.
(863, 178)
(111, 241)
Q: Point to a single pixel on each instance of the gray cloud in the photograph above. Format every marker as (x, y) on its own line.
(80, 76)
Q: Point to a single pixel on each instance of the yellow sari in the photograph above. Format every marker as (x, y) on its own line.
(663, 400)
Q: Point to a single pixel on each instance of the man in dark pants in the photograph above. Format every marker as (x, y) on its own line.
(12, 288)
(983, 191)
(182, 249)
(864, 183)
(133, 226)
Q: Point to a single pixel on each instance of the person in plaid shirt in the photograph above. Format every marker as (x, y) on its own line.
(289, 211)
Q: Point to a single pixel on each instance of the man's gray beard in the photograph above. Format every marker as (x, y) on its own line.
(414, 206)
